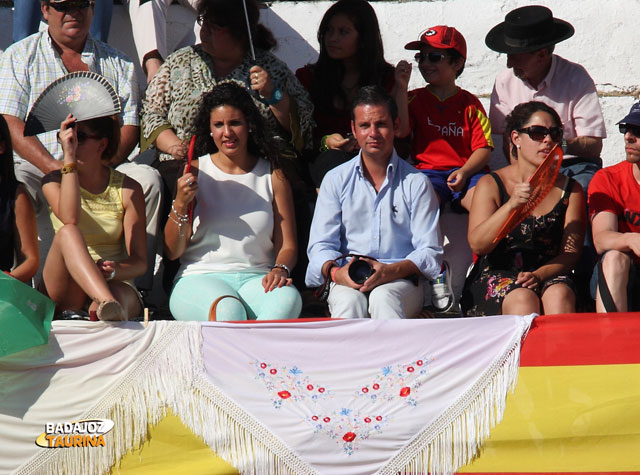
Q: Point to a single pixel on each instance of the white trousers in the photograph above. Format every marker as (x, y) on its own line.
(397, 299)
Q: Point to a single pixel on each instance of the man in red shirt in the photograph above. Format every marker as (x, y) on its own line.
(614, 207)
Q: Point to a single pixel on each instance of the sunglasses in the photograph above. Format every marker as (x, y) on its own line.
(433, 57)
(632, 129)
(66, 7)
(82, 137)
(538, 133)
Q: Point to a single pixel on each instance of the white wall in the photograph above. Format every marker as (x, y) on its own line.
(606, 41)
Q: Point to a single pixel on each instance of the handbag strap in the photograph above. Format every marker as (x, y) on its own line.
(214, 306)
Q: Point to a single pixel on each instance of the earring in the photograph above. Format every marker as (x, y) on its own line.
(211, 133)
(518, 146)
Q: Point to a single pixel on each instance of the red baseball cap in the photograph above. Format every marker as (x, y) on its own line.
(443, 37)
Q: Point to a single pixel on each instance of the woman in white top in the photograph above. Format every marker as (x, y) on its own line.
(240, 238)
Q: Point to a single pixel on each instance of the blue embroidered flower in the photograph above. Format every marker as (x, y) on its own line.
(295, 371)
(386, 370)
(345, 411)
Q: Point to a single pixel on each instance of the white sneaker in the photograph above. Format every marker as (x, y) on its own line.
(441, 291)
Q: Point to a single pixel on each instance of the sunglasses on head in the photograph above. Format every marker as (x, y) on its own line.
(538, 133)
(433, 57)
(65, 7)
(632, 129)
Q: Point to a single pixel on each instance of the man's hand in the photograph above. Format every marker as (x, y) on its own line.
(633, 241)
(341, 276)
(382, 273)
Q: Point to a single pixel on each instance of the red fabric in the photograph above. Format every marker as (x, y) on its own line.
(582, 339)
(335, 120)
(445, 133)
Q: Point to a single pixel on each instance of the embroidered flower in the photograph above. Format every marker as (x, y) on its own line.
(284, 394)
(348, 437)
(404, 392)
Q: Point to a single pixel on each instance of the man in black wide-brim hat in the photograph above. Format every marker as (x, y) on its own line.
(528, 36)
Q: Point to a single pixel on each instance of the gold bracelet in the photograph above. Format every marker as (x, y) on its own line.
(70, 168)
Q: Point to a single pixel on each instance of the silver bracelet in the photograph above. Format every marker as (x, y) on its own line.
(111, 276)
(283, 267)
(181, 217)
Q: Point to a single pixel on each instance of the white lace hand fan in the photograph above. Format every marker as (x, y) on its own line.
(84, 94)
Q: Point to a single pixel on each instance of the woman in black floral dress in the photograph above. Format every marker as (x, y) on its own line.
(528, 270)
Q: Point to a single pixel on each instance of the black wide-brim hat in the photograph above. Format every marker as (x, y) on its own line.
(528, 29)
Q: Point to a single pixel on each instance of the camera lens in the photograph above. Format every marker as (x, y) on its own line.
(360, 270)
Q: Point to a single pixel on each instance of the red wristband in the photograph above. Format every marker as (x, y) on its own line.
(333, 271)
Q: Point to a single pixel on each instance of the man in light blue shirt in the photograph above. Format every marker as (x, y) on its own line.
(379, 206)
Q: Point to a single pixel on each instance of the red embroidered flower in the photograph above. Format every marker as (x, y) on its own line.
(284, 394)
(320, 390)
(378, 418)
(309, 387)
(273, 371)
(365, 390)
(327, 419)
(404, 392)
(314, 418)
(376, 386)
(410, 369)
(367, 419)
(348, 437)
(419, 362)
(263, 365)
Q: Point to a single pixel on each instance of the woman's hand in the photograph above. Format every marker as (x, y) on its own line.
(521, 194)
(402, 74)
(186, 189)
(107, 268)
(179, 150)
(261, 82)
(68, 139)
(338, 142)
(275, 279)
(528, 280)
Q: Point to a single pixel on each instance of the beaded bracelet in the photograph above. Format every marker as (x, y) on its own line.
(68, 168)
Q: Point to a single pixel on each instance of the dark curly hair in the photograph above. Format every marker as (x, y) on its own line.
(231, 94)
(521, 114)
(230, 14)
(328, 73)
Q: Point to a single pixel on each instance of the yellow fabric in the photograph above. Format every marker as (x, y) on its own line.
(562, 418)
(568, 418)
(101, 220)
(172, 448)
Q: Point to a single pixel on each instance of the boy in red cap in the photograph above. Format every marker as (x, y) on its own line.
(451, 140)
(451, 134)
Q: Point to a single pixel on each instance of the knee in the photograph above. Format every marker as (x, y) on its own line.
(615, 263)
(228, 310)
(68, 233)
(345, 302)
(521, 302)
(284, 303)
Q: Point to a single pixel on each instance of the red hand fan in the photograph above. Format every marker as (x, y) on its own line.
(187, 169)
(541, 183)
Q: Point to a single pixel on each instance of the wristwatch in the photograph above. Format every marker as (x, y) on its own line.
(283, 267)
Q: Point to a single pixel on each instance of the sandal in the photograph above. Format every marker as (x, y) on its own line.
(110, 310)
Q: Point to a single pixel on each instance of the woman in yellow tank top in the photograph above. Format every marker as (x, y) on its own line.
(98, 216)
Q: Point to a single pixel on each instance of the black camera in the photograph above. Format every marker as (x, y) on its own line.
(360, 270)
